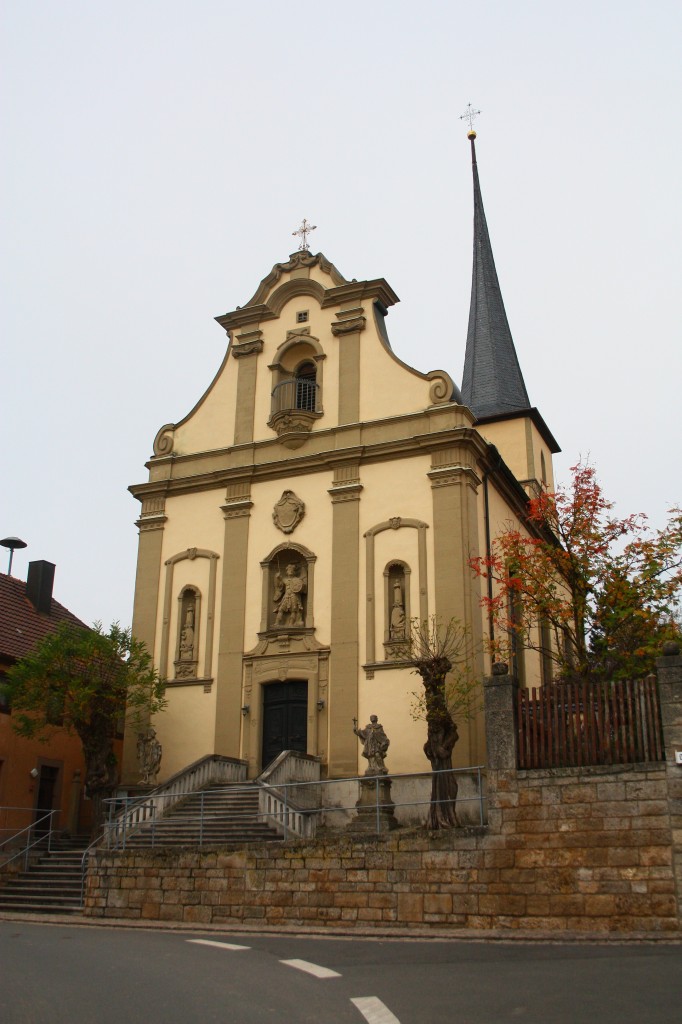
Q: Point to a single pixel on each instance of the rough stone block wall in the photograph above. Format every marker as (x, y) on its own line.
(575, 849)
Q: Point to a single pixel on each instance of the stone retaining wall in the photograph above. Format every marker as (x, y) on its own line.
(577, 849)
(582, 849)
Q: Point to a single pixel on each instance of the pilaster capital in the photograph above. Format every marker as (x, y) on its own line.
(247, 344)
(350, 321)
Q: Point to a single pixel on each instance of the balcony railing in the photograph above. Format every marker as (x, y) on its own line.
(304, 395)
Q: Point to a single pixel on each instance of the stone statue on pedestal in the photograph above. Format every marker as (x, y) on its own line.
(375, 744)
(149, 756)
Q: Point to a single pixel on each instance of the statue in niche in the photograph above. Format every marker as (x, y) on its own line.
(397, 625)
(375, 743)
(187, 636)
(186, 664)
(149, 752)
(287, 595)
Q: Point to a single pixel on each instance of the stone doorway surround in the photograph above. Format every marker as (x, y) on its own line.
(285, 657)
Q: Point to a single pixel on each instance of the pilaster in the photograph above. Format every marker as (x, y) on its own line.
(236, 510)
(454, 483)
(345, 661)
(145, 607)
(246, 350)
(351, 322)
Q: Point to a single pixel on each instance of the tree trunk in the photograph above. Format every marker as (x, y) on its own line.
(100, 772)
(441, 739)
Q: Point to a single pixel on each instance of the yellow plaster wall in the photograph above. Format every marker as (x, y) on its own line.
(314, 532)
(511, 440)
(389, 695)
(210, 425)
(387, 387)
(185, 729)
(509, 437)
(394, 489)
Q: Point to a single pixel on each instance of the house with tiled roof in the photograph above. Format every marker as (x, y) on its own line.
(36, 776)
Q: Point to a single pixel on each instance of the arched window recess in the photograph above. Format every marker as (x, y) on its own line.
(296, 396)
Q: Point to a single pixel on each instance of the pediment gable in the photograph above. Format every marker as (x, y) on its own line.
(304, 274)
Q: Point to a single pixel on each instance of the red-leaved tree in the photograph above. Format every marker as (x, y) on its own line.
(595, 593)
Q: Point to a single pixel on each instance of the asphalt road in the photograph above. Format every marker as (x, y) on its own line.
(54, 974)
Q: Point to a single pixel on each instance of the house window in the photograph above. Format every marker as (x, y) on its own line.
(4, 699)
(302, 316)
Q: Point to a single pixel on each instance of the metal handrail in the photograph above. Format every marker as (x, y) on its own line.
(280, 808)
(289, 809)
(138, 810)
(40, 839)
(84, 863)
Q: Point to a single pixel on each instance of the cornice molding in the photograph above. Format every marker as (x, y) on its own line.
(147, 523)
(237, 509)
(345, 492)
(377, 290)
(448, 476)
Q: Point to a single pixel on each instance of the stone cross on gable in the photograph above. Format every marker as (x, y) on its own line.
(303, 232)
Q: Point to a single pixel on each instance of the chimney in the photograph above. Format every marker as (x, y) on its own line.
(39, 585)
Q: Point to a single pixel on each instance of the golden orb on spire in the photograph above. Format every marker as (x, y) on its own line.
(471, 134)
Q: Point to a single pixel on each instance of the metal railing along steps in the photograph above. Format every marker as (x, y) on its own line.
(211, 816)
(51, 885)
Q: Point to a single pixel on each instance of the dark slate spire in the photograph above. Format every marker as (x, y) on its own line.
(493, 383)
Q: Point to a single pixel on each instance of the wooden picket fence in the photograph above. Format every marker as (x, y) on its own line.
(572, 724)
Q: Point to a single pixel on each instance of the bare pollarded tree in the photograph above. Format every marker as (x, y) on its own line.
(441, 655)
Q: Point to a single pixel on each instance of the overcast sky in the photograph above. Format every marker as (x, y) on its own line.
(158, 156)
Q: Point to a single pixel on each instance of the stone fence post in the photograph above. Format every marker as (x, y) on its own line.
(499, 696)
(670, 695)
(499, 691)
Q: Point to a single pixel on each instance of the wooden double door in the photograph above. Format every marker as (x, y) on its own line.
(285, 718)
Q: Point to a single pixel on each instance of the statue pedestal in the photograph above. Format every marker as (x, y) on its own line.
(374, 789)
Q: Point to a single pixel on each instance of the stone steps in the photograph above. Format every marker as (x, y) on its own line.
(52, 885)
(229, 816)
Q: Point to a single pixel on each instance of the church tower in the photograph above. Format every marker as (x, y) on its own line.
(492, 385)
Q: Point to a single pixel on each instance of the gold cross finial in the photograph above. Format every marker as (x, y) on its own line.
(470, 115)
(304, 231)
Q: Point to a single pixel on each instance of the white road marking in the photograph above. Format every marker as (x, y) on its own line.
(314, 969)
(374, 1011)
(220, 945)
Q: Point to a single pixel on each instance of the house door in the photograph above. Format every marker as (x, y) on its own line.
(285, 719)
(47, 784)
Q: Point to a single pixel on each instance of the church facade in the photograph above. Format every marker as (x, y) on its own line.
(320, 496)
